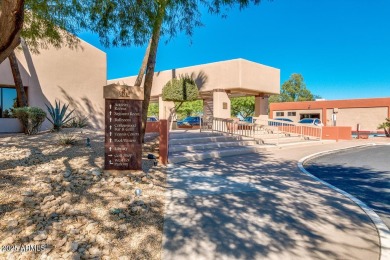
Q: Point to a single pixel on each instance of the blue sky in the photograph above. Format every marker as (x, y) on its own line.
(342, 48)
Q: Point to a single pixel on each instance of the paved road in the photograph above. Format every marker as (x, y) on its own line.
(261, 206)
(364, 173)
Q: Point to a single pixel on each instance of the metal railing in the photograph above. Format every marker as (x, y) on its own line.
(261, 129)
(305, 131)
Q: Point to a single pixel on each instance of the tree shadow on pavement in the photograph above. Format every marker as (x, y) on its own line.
(367, 184)
(258, 207)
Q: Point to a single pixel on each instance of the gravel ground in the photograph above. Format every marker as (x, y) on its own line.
(57, 203)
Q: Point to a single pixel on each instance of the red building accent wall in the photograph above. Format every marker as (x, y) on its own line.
(336, 133)
(329, 104)
(160, 127)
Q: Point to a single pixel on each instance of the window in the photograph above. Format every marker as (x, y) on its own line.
(279, 113)
(8, 100)
(292, 113)
(302, 116)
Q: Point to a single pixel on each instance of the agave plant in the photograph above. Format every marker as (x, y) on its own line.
(58, 115)
(386, 127)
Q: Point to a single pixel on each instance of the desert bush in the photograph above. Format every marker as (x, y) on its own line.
(30, 117)
(58, 115)
(78, 122)
(67, 139)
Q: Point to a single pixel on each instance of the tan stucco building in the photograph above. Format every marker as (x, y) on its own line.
(365, 113)
(74, 76)
(217, 83)
(77, 77)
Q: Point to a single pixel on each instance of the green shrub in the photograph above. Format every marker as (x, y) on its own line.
(7, 113)
(78, 122)
(180, 90)
(30, 117)
(58, 115)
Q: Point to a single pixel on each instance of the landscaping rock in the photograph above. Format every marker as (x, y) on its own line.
(61, 242)
(8, 241)
(101, 240)
(12, 224)
(67, 173)
(46, 180)
(70, 209)
(122, 227)
(42, 235)
(48, 198)
(136, 209)
(95, 252)
(96, 172)
(91, 226)
(74, 246)
(115, 211)
(27, 193)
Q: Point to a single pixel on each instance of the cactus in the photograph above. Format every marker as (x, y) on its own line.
(58, 115)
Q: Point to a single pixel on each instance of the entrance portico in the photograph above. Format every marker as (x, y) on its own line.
(217, 83)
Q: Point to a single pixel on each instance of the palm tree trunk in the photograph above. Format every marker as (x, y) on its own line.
(21, 94)
(151, 64)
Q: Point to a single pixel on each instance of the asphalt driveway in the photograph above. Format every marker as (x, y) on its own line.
(261, 206)
(362, 172)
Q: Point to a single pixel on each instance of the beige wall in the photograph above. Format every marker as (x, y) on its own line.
(329, 121)
(219, 99)
(258, 77)
(229, 75)
(165, 109)
(368, 118)
(76, 77)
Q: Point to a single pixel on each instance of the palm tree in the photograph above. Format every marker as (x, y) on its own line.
(386, 127)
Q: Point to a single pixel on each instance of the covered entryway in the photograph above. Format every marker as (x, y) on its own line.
(218, 82)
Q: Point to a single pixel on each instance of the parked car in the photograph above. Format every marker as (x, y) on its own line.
(281, 123)
(189, 121)
(249, 119)
(311, 121)
(152, 119)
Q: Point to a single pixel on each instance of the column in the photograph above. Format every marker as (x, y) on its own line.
(221, 104)
(165, 109)
(261, 106)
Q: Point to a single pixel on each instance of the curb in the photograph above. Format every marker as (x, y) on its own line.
(382, 229)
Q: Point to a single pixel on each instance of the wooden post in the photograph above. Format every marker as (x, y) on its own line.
(163, 146)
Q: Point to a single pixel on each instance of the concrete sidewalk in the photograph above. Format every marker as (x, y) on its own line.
(261, 206)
